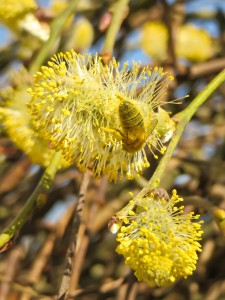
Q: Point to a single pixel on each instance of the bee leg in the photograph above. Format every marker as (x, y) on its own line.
(116, 132)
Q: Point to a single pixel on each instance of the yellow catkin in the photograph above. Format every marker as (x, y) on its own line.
(191, 43)
(12, 9)
(160, 244)
(16, 121)
(82, 107)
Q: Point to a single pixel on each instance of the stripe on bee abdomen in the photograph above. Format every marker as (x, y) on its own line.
(130, 116)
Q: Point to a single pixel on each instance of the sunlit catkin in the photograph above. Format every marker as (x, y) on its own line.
(12, 9)
(12, 12)
(158, 241)
(15, 121)
(78, 105)
(191, 43)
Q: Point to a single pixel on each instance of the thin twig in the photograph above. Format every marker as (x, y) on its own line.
(104, 288)
(32, 203)
(132, 291)
(24, 289)
(56, 28)
(105, 213)
(127, 290)
(172, 30)
(121, 292)
(41, 260)
(205, 68)
(14, 175)
(79, 259)
(117, 19)
(85, 235)
(64, 288)
(13, 260)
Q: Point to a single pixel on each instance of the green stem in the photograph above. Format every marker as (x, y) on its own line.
(202, 97)
(182, 120)
(117, 19)
(56, 27)
(32, 203)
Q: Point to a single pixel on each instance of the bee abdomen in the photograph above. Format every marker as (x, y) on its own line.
(130, 116)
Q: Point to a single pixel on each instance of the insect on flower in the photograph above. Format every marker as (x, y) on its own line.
(100, 117)
(158, 193)
(136, 124)
(114, 224)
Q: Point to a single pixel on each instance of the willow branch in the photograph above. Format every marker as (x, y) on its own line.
(32, 203)
(117, 19)
(182, 120)
(56, 27)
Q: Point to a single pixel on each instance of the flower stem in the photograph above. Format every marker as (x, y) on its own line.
(32, 203)
(56, 27)
(182, 119)
(118, 15)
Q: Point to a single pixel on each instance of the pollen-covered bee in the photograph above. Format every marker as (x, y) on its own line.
(136, 124)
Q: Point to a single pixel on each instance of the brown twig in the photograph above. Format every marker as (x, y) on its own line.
(41, 260)
(11, 267)
(127, 290)
(206, 68)
(132, 291)
(216, 291)
(24, 289)
(80, 253)
(85, 238)
(104, 288)
(64, 288)
(108, 210)
(79, 258)
(14, 175)
(172, 30)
